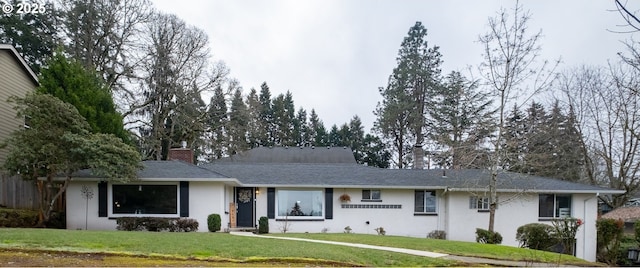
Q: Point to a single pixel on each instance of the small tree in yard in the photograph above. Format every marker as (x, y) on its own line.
(57, 143)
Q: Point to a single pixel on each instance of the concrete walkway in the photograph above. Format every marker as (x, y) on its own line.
(399, 250)
(474, 260)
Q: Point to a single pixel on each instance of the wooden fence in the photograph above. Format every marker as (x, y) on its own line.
(18, 193)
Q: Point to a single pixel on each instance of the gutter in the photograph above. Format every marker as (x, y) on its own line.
(584, 230)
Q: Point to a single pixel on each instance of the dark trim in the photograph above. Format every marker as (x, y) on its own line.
(299, 219)
(371, 200)
(328, 203)
(184, 199)
(425, 214)
(483, 210)
(271, 203)
(103, 206)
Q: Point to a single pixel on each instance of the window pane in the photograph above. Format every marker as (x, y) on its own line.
(299, 203)
(366, 194)
(545, 205)
(145, 199)
(563, 204)
(419, 201)
(430, 200)
(473, 202)
(375, 194)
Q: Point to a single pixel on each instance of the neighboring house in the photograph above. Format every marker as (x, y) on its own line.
(628, 214)
(299, 189)
(16, 79)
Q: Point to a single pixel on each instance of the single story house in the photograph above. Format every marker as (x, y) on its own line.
(300, 189)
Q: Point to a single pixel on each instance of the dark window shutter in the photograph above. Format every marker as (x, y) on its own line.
(328, 203)
(184, 199)
(271, 203)
(102, 199)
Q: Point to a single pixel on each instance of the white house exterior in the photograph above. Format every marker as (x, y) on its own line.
(304, 197)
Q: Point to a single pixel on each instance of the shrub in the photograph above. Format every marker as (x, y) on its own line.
(437, 234)
(610, 233)
(536, 236)
(186, 225)
(487, 237)
(263, 225)
(18, 218)
(636, 229)
(565, 231)
(156, 224)
(214, 222)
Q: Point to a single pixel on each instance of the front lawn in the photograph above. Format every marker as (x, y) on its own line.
(449, 247)
(218, 247)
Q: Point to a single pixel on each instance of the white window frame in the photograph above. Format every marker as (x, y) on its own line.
(424, 203)
(556, 214)
(317, 217)
(370, 197)
(481, 203)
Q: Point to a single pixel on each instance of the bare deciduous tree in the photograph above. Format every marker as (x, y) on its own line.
(102, 35)
(607, 109)
(511, 70)
(174, 74)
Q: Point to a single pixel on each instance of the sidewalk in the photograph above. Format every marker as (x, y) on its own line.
(474, 260)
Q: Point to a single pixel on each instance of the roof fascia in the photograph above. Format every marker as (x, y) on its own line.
(23, 63)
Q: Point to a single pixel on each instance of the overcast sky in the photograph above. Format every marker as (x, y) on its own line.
(333, 55)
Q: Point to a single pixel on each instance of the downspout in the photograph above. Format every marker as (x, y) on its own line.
(584, 230)
(446, 210)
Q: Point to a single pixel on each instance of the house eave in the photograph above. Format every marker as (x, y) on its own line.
(599, 191)
(23, 63)
(223, 180)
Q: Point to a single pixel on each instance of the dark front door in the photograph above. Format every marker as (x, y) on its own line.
(244, 199)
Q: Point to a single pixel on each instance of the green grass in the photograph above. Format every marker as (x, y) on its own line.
(450, 247)
(214, 246)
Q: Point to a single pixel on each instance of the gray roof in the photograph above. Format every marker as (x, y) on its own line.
(354, 176)
(293, 155)
(168, 170)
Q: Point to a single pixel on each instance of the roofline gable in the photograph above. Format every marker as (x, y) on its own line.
(12, 50)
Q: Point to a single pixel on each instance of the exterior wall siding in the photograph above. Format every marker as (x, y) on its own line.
(401, 222)
(453, 214)
(462, 221)
(15, 82)
(204, 198)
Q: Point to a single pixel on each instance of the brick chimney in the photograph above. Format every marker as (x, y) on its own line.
(183, 154)
(418, 157)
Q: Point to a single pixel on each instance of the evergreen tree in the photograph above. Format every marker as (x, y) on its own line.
(318, 135)
(254, 124)
(356, 142)
(514, 135)
(218, 120)
(401, 114)
(300, 128)
(33, 35)
(237, 126)
(283, 112)
(460, 121)
(267, 130)
(69, 81)
(374, 152)
(538, 148)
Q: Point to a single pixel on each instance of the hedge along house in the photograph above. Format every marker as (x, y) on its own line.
(300, 188)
